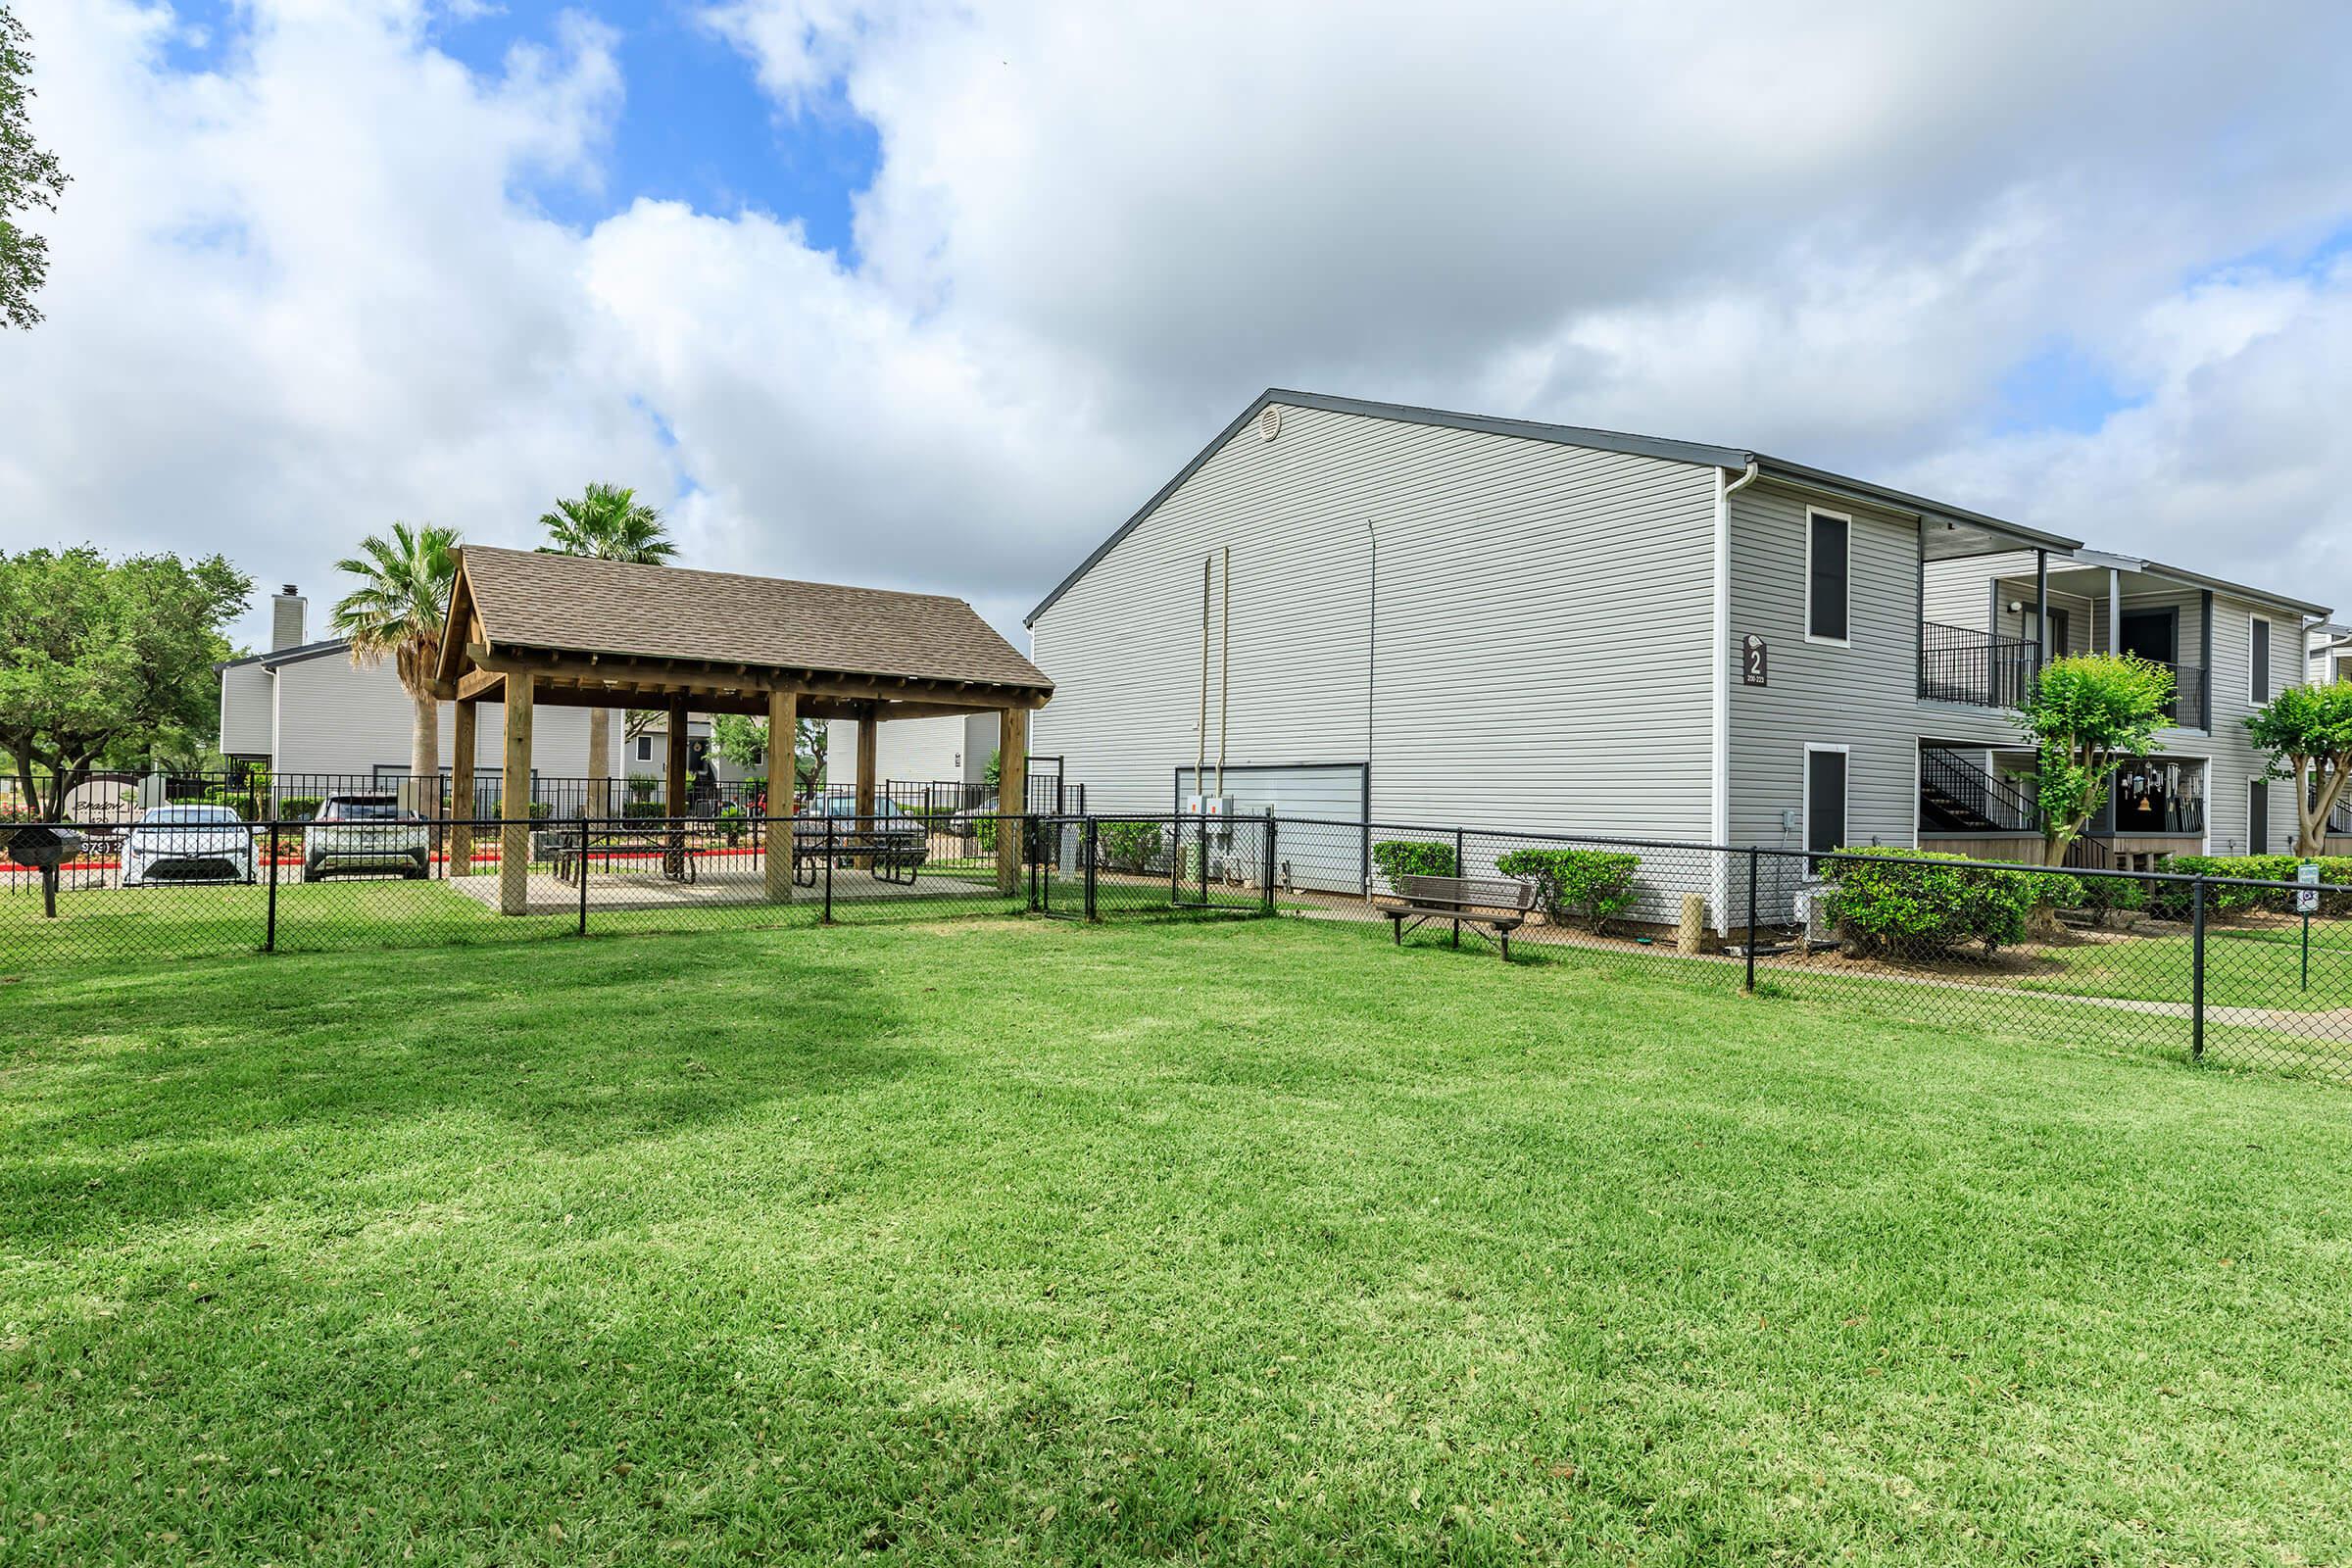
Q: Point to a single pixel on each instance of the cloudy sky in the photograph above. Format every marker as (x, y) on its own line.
(934, 295)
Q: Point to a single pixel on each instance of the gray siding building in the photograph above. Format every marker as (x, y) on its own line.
(1411, 617)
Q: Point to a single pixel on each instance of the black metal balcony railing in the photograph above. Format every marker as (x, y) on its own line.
(1961, 664)
(1957, 796)
(2192, 692)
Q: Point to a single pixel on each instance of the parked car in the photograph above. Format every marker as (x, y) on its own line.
(188, 844)
(366, 833)
(901, 836)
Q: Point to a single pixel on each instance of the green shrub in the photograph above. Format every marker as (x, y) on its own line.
(1128, 845)
(2173, 900)
(1403, 858)
(1926, 910)
(298, 807)
(2104, 895)
(1595, 886)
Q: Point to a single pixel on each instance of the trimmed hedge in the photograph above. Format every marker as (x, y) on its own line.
(1128, 845)
(2173, 902)
(1595, 886)
(1922, 910)
(1403, 858)
(299, 807)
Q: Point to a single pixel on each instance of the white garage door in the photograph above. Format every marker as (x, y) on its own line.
(1319, 845)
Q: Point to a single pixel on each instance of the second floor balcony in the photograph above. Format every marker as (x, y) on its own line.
(1984, 669)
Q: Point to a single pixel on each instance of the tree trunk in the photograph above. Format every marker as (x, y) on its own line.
(600, 762)
(424, 790)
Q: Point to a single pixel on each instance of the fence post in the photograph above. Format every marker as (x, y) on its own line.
(580, 867)
(1460, 870)
(1090, 844)
(2196, 989)
(830, 856)
(1754, 857)
(270, 937)
(1272, 864)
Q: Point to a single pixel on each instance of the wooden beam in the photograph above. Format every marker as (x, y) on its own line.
(465, 735)
(673, 771)
(482, 683)
(783, 720)
(514, 803)
(1013, 796)
(704, 680)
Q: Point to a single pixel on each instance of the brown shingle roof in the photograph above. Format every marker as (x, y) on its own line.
(571, 604)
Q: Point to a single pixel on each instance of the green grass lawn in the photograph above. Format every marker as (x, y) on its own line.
(2246, 965)
(1017, 1241)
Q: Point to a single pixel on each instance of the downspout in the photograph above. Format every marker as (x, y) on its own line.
(1224, 667)
(1200, 752)
(1371, 643)
(1720, 808)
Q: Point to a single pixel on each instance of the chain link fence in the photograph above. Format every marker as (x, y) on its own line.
(2211, 968)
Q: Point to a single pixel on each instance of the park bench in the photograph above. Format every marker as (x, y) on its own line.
(1498, 903)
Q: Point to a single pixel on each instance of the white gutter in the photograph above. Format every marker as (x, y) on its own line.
(1719, 817)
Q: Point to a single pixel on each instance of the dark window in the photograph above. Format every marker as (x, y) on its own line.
(1826, 586)
(645, 748)
(2152, 634)
(2262, 660)
(1824, 801)
(2258, 818)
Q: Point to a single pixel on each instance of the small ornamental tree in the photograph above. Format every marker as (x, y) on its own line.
(2307, 730)
(2086, 717)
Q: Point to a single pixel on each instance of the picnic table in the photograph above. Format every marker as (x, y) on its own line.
(571, 852)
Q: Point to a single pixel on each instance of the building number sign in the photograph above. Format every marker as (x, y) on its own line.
(1754, 669)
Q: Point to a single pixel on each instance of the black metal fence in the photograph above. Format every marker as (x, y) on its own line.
(2219, 969)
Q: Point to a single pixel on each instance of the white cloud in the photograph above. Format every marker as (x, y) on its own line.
(310, 292)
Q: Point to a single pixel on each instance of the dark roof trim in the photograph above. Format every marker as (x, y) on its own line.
(288, 656)
(2238, 590)
(1693, 452)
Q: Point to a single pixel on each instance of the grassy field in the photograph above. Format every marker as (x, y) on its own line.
(1019, 1240)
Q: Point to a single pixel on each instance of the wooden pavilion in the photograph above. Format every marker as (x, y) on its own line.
(527, 629)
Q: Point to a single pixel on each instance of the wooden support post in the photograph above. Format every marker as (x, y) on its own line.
(462, 740)
(783, 719)
(673, 771)
(514, 801)
(1013, 795)
(868, 736)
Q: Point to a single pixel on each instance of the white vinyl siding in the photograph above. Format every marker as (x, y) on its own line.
(948, 749)
(337, 717)
(1544, 625)
(1863, 696)
(246, 720)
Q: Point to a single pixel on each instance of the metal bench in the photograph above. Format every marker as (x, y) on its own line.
(1499, 904)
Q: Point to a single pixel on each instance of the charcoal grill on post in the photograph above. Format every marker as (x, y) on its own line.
(43, 847)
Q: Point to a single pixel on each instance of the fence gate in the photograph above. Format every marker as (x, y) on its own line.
(1060, 860)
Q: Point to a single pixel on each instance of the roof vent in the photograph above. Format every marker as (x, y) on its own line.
(1269, 422)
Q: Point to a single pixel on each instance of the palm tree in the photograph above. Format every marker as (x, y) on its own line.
(397, 613)
(607, 523)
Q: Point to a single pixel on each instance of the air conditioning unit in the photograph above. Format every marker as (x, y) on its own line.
(1811, 907)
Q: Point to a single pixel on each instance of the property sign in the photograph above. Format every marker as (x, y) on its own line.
(2307, 894)
(1754, 662)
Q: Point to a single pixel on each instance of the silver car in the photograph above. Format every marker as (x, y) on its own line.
(366, 833)
(188, 844)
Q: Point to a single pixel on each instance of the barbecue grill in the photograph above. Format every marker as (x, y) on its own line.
(43, 847)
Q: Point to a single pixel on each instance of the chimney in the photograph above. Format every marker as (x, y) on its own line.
(287, 612)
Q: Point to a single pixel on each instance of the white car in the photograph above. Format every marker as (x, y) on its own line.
(187, 844)
(366, 833)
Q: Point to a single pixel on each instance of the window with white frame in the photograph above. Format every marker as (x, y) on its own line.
(2258, 659)
(1828, 576)
(1826, 768)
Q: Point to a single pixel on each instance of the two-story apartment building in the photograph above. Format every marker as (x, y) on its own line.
(1394, 615)
(305, 709)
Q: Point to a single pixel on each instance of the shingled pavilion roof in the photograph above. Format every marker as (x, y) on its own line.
(586, 627)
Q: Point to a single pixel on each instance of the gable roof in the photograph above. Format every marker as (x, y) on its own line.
(1692, 451)
(289, 656)
(575, 604)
